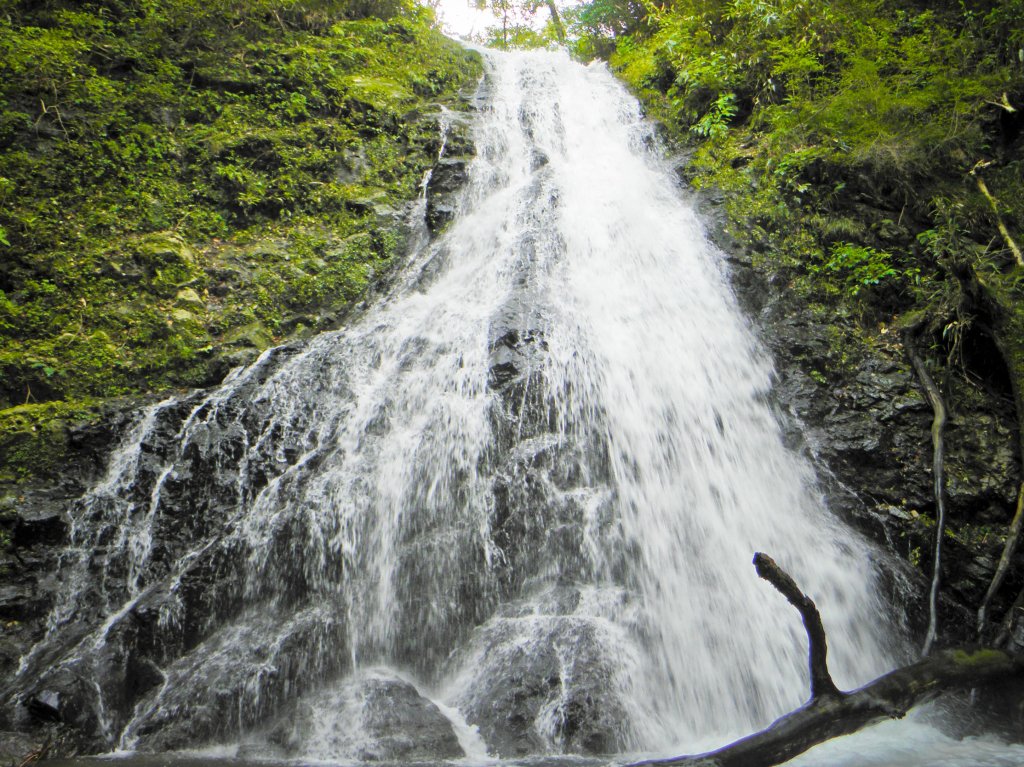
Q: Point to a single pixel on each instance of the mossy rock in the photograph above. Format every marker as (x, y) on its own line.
(187, 298)
(164, 249)
(186, 321)
(162, 216)
(34, 437)
(255, 335)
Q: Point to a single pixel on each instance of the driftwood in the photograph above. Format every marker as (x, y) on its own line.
(831, 713)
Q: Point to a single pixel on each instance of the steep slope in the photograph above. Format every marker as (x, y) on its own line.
(186, 183)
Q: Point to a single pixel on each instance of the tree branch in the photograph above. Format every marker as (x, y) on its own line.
(938, 465)
(821, 680)
(1000, 225)
(831, 713)
(1013, 537)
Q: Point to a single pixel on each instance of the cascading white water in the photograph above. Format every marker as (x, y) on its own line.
(648, 354)
(534, 476)
(649, 334)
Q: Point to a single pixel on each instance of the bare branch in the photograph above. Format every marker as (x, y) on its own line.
(830, 714)
(821, 680)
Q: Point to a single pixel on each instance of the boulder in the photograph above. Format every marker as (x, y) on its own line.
(164, 249)
(187, 298)
(374, 717)
(254, 336)
(546, 679)
(16, 746)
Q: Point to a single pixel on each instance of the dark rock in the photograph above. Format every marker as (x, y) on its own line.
(447, 179)
(368, 204)
(254, 335)
(223, 280)
(1016, 632)
(404, 724)
(44, 707)
(516, 339)
(229, 359)
(458, 139)
(45, 527)
(856, 409)
(16, 746)
(22, 601)
(16, 640)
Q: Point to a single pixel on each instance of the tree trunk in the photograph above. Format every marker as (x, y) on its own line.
(556, 20)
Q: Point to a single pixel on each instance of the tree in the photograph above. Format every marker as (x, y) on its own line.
(515, 14)
(594, 28)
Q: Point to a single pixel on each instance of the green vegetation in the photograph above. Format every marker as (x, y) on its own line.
(517, 29)
(979, 657)
(183, 181)
(869, 156)
(808, 108)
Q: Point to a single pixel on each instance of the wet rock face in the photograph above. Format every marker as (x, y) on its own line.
(865, 422)
(165, 620)
(402, 724)
(446, 181)
(449, 175)
(564, 484)
(34, 530)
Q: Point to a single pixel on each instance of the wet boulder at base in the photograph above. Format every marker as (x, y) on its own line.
(546, 680)
(374, 717)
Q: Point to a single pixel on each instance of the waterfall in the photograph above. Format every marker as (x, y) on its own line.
(520, 493)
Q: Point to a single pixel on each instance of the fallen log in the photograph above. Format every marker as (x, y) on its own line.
(830, 712)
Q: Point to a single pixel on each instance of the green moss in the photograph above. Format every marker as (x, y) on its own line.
(34, 438)
(976, 537)
(172, 173)
(979, 657)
